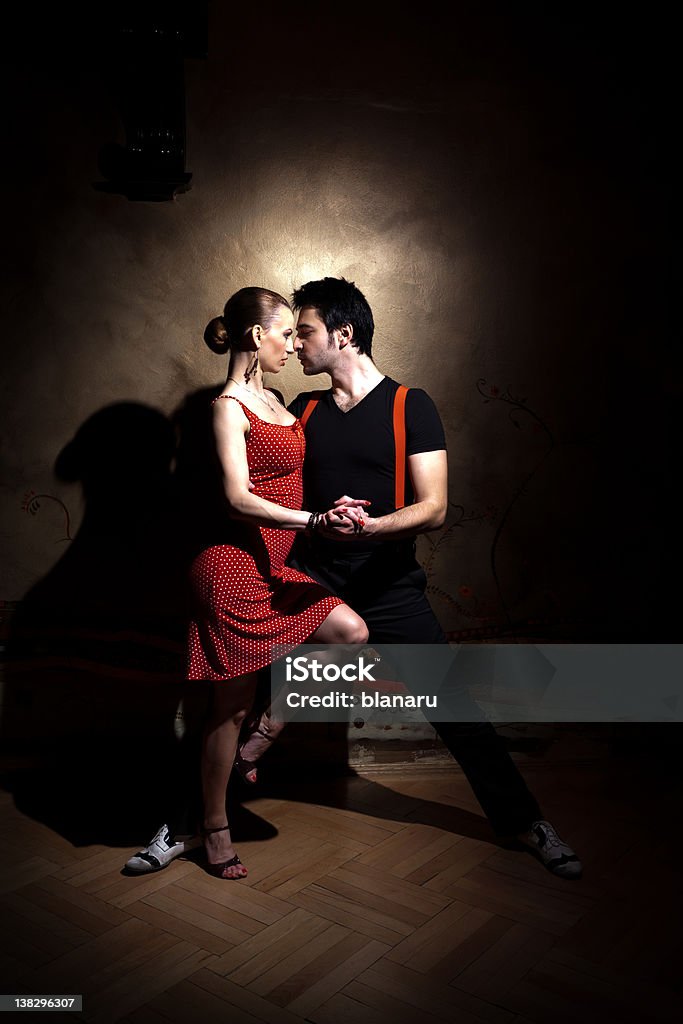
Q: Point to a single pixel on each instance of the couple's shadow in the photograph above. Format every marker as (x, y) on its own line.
(95, 650)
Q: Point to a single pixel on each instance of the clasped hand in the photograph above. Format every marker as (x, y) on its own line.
(346, 520)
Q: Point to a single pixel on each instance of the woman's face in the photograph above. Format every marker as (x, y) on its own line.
(277, 342)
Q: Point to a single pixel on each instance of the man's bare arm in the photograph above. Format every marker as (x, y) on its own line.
(429, 477)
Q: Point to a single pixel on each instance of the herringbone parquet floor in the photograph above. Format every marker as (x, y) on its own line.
(377, 898)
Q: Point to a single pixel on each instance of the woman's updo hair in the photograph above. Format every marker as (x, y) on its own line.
(245, 308)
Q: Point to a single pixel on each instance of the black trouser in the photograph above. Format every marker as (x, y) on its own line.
(387, 589)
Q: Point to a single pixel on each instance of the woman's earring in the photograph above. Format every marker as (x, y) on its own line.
(252, 369)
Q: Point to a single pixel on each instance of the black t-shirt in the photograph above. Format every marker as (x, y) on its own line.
(354, 453)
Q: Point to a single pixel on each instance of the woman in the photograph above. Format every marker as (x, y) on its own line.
(246, 599)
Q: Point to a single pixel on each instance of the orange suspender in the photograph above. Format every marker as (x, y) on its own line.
(399, 423)
(310, 406)
(400, 446)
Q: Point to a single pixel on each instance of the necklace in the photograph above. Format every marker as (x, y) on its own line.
(250, 392)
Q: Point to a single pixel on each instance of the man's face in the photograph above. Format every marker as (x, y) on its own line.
(314, 347)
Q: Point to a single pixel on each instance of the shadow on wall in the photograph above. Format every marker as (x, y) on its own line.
(95, 666)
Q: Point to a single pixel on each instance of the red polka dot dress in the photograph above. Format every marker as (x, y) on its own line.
(246, 600)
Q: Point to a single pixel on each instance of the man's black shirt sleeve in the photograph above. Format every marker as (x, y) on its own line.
(424, 429)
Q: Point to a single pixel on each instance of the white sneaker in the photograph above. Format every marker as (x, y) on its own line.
(557, 855)
(160, 852)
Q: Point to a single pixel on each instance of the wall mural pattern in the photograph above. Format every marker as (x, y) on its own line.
(31, 505)
(485, 618)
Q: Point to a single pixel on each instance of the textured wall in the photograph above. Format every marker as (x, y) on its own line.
(485, 181)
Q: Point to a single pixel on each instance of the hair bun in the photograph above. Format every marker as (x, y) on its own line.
(216, 336)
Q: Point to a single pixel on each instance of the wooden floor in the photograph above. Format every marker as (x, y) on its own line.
(376, 898)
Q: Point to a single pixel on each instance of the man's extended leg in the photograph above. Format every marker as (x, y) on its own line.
(402, 615)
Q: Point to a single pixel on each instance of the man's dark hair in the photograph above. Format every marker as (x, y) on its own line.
(338, 302)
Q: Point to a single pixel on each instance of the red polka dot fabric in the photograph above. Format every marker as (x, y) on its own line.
(246, 599)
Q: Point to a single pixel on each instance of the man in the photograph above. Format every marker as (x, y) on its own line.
(351, 438)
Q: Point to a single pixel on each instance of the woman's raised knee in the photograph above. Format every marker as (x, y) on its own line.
(352, 629)
(342, 626)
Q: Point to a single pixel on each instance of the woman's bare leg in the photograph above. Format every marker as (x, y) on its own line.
(232, 700)
(342, 626)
